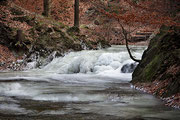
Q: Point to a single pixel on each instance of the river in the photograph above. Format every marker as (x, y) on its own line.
(85, 85)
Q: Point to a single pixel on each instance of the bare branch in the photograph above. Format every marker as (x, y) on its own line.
(126, 40)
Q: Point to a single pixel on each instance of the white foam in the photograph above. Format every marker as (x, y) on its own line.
(71, 97)
(99, 61)
(31, 65)
(16, 89)
(12, 108)
(89, 66)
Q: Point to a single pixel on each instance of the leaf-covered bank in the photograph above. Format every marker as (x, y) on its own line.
(159, 70)
(30, 36)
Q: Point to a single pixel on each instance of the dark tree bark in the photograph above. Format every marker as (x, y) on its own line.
(76, 13)
(20, 36)
(4, 2)
(46, 11)
(124, 32)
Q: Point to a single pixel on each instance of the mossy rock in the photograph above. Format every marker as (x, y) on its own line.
(16, 11)
(83, 26)
(163, 52)
(104, 43)
(21, 19)
(73, 30)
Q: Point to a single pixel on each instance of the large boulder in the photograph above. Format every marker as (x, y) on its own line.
(161, 62)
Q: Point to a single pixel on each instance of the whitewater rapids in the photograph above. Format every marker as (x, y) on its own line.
(85, 83)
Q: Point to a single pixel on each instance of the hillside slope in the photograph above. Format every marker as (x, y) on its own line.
(29, 35)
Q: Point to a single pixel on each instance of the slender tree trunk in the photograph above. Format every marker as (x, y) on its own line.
(171, 7)
(129, 51)
(126, 40)
(20, 36)
(76, 13)
(46, 11)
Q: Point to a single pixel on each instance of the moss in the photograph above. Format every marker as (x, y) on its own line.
(154, 42)
(61, 25)
(151, 69)
(75, 37)
(44, 39)
(161, 62)
(177, 53)
(22, 18)
(83, 26)
(73, 30)
(68, 42)
(57, 29)
(16, 11)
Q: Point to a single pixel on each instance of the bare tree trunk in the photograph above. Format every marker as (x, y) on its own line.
(46, 11)
(19, 35)
(171, 7)
(126, 40)
(76, 13)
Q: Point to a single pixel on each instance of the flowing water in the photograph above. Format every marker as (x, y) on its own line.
(85, 85)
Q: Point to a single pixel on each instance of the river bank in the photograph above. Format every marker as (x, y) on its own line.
(151, 88)
(158, 72)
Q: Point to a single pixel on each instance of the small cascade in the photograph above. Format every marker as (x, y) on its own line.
(84, 46)
(101, 61)
(32, 61)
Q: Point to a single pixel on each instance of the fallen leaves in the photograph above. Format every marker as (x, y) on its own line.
(6, 57)
(158, 88)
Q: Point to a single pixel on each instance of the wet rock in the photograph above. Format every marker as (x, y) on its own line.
(128, 68)
(50, 58)
(2, 64)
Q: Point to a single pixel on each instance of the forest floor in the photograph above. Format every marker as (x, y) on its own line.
(6, 57)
